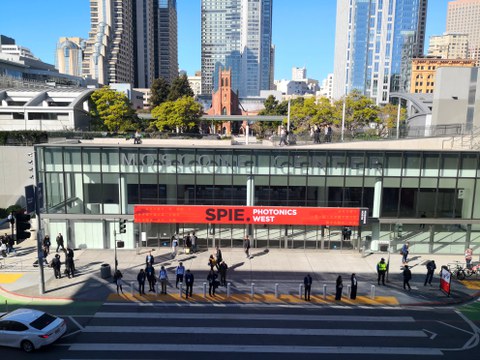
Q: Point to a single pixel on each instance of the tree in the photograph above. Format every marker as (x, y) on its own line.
(111, 110)
(360, 111)
(159, 92)
(270, 104)
(388, 118)
(182, 114)
(180, 88)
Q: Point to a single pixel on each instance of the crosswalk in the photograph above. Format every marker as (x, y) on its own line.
(126, 332)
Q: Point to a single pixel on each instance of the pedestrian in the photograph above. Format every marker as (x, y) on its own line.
(407, 275)
(3, 249)
(56, 265)
(316, 135)
(137, 138)
(404, 252)
(468, 257)
(222, 269)
(381, 270)
(423, 216)
(68, 265)
(431, 266)
(141, 281)
(45, 254)
(188, 244)
(212, 282)
(212, 262)
(117, 278)
(354, 284)
(189, 279)
(180, 271)
(338, 288)
(60, 242)
(46, 244)
(163, 277)
(283, 136)
(307, 282)
(10, 243)
(149, 259)
(193, 238)
(150, 273)
(69, 253)
(175, 240)
(246, 246)
(218, 256)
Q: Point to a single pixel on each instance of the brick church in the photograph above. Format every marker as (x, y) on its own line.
(225, 102)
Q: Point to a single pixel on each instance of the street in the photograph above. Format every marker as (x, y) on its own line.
(173, 331)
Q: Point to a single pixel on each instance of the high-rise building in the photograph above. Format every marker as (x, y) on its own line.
(167, 42)
(463, 17)
(69, 55)
(448, 46)
(167, 63)
(374, 44)
(132, 41)
(144, 32)
(237, 35)
(109, 53)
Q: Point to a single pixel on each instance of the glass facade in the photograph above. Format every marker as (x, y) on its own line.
(88, 188)
(382, 38)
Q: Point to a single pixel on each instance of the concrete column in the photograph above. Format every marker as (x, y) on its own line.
(250, 202)
(377, 201)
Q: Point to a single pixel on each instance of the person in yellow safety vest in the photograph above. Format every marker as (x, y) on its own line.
(381, 269)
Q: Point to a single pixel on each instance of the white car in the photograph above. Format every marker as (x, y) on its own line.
(30, 329)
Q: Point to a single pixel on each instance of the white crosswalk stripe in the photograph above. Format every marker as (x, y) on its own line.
(284, 332)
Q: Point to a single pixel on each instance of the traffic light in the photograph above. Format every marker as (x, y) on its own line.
(23, 224)
(123, 226)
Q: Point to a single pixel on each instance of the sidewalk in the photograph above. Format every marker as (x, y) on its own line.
(19, 280)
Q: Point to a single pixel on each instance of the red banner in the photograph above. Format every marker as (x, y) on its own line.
(192, 214)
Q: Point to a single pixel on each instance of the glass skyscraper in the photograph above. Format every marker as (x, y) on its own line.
(237, 35)
(375, 41)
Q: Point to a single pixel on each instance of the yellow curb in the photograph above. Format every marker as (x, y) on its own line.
(247, 298)
(9, 278)
(471, 284)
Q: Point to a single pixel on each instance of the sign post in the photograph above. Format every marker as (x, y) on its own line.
(445, 279)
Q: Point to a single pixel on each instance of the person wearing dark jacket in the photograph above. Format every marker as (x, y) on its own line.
(141, 281)
(307, 282)
(430, 270)
(212, 282)
(407, 276)
(150, 274)
(189, 279)
(222, 269)
(117, 278)
(56, 264)
(60, 242)
(338, 288)
(353, 291)
(149, 259)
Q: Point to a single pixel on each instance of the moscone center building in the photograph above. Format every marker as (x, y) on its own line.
(293, 197)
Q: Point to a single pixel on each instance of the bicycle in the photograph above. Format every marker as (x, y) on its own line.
(457, 270)
(473, 269)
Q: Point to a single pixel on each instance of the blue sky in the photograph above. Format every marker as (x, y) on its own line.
(303, 30)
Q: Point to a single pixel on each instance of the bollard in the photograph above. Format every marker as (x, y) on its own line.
(156, 288)
(180, 290)
(132, 286)
(228, 289)
(276, 291)
(372, 291)
(349, 290)
(252, 291)
(324, 291)
(300, 288)
(204, 289)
